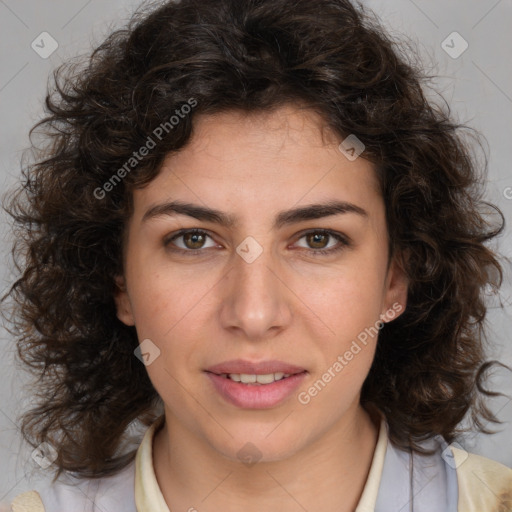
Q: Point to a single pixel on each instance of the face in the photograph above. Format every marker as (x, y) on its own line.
(259, 243)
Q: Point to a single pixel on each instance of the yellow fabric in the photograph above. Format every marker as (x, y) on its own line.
(27, 502)
(149, 498)
(371, 488)
(484, 484)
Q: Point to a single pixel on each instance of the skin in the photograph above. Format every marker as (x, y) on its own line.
(288, 304)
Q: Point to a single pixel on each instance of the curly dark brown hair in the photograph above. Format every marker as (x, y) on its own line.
(330, 56)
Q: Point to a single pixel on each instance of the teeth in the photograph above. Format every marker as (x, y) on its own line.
(265, 379)
(257, 379)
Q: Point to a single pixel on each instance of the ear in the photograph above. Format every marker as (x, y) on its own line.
(397, 284)
(122, 300)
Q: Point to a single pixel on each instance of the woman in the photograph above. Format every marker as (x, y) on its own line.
(251, 233)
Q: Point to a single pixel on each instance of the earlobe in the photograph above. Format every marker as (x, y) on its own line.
(123, 305)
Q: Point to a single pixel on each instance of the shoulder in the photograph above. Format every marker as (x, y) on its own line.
(484, 484)
(449, 479)
(109, 494)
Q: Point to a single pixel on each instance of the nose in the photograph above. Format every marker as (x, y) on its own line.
(256, 298)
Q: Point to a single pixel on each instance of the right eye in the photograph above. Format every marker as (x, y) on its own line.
(192, 241)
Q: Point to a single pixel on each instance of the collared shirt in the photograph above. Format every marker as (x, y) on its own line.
(450, 480)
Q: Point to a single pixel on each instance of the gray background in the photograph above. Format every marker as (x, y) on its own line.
(477, 85)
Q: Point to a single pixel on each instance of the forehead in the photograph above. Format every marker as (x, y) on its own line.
(286, 132)
(286, 156)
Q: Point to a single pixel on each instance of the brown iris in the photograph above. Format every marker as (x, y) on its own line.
(196, 240)
(314, 238)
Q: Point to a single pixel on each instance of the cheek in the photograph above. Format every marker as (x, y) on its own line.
(349, 298)
(169, 309)
(162, 297)
(167, 317)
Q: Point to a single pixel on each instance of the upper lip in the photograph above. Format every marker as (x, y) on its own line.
(250, 368)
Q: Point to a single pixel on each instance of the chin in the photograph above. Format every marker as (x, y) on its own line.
(261, 446)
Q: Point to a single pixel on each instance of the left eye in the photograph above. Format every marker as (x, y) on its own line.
(319, 240)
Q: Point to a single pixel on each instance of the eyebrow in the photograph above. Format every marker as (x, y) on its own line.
(283, 218)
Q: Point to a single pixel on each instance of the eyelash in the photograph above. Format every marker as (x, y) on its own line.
(343, 241)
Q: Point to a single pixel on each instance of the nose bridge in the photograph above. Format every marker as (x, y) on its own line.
(255, 300)
(254, 276)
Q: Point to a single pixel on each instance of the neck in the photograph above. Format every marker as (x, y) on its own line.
(328, 475)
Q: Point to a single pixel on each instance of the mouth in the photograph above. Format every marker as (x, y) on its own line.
(261, 385)
(256, 379)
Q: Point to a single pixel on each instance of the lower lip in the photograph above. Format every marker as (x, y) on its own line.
(253, 396)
